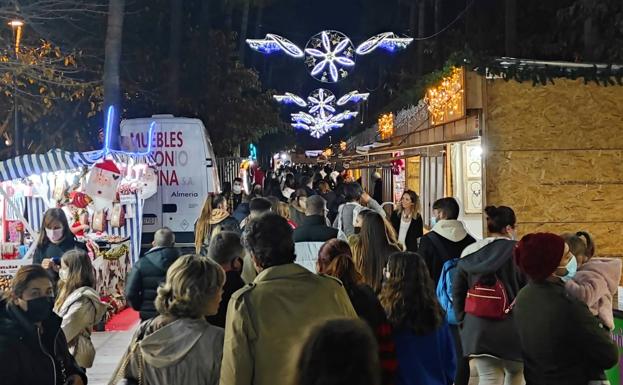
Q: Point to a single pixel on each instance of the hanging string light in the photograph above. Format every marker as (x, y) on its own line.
(386, 125)
(445, 101)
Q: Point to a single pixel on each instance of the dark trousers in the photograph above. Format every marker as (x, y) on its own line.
(462, 363)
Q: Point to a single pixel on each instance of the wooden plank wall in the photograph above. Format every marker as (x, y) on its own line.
(555, 155)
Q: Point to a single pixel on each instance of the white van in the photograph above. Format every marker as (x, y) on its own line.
(186, 168)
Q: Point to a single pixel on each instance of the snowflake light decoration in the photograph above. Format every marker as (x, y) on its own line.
(322, 102)
(353, 97)
(290, 98)
(320, 125)
(328, 54)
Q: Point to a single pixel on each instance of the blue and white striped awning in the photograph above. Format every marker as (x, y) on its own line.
(54, 160)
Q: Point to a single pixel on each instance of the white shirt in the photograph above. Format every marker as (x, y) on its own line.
(404, 228)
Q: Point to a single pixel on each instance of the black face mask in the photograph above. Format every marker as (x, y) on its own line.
(39, 309)
(357, 230)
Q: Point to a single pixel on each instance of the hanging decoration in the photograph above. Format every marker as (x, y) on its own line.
(386, 125)
(322, 97)
(445, 101)
(252, 152)
(329, 55)
(343, 146)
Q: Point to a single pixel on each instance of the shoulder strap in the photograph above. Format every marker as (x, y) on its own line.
(439, 246)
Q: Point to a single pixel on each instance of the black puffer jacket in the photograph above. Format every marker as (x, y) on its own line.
(148, 273)
(498, 338)
(27, 358)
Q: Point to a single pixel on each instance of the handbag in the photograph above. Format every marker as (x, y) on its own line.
(118, 216)
(83, 350)
(487, 298)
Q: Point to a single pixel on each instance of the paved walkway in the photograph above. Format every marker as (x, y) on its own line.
(109, 346)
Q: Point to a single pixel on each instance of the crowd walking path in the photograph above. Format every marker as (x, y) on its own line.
(109, 346)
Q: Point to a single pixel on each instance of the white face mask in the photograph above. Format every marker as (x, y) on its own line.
(54, 235)
(63, 274)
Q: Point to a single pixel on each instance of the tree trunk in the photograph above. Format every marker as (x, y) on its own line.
(205, 19)
(112, 63)
(244, 27)
(438, 21)
(229, 12)
(421, 27)
(175, 39)
(258, 22)
(413, 17)
(591, 34)
(511, 28)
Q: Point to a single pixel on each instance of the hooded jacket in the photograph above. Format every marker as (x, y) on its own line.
(595, 284)
(482, 336)
(27, 357)
(267, 319)
(148, 273)
(183, 352)
(453, 236)
(80, 312)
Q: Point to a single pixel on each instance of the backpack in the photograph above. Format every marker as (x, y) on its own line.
(444, 289)
(444, 286)
(487, 298)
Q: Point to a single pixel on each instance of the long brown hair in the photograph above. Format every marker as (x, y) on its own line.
(50, 216)
(415, 211)
(377, 240)
(408, 295)
(80, 273)
(203, 228)
(335, 259)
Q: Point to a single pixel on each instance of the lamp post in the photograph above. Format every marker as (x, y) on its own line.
(16, 26)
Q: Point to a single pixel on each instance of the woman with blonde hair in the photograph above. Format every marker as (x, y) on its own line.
(284, 211)
(179, 346)
(214, 218)
(376, 242)
(79, 305)
(407, 221)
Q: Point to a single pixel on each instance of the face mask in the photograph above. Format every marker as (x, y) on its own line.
(237, 189)
(39, 309)
(357, 230)
(63, 274)
(433, 221)
(572, 268)
(54, 235)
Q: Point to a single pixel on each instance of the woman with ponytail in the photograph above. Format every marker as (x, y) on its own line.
(214, 218)
(335, 259)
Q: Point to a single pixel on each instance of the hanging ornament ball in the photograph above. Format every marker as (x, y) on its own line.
(329, 56)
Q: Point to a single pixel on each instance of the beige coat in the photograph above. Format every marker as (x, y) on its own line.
(267, 322)
(80, 312)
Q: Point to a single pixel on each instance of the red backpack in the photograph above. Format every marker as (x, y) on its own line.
(488, 301)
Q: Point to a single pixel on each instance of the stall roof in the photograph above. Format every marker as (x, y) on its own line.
(57, 160)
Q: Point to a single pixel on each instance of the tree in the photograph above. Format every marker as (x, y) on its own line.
(114, 35)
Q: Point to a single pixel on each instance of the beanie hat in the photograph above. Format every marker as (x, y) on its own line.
(539, 254)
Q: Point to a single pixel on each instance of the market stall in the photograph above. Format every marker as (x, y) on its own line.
(102, 194)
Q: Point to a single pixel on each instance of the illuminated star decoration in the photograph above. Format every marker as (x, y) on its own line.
(322, 115)
(329, 55)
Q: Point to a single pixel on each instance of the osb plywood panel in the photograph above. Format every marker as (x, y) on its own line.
(555, 154)
(566, 115)
(607, 236)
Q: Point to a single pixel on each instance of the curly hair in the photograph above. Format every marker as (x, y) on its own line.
(408, 296)
(269, 240)
(335, 259)
(192, 282)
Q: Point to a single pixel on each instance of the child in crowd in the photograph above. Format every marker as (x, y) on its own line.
(596, 280)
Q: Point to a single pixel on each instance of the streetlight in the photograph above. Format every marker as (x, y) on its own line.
(16, 26)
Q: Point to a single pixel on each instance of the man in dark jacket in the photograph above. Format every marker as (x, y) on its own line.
(226, 250)
(562, 342)
(149, 272)
(312, 233)
(447, 239)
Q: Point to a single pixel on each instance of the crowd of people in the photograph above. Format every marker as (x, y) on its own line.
(308, 280)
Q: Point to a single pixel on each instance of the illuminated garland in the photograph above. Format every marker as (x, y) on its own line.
(386, 125)
(446, 99)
